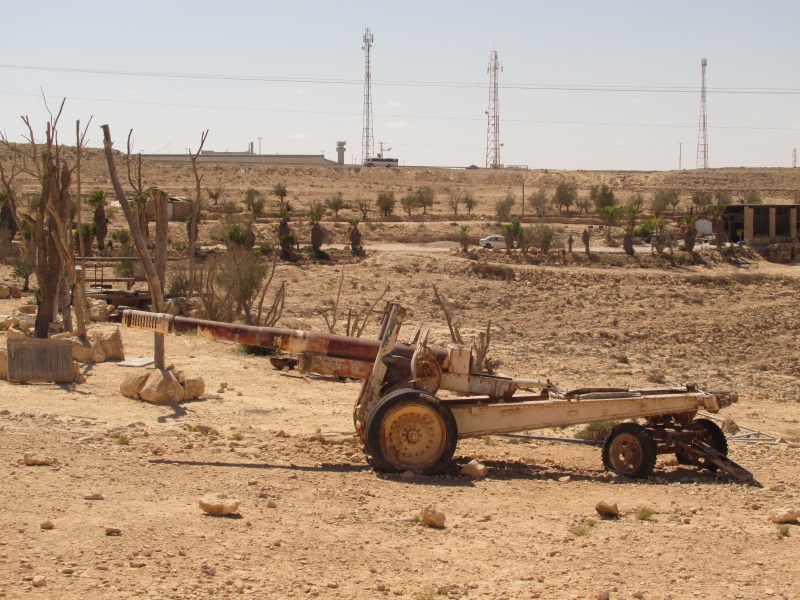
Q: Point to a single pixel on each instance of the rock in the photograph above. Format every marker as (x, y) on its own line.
(39, 460)
(98, 353)
(16, 332)
(47, 525)
(82, 350)
(193, 387)
(431, 517)
(219, 504)
(606, 510)
(604, 595)
(94, 496)
(131, 385)
(15, 291)
(161, 387)
(6, 321)
(474, 469)
(3, 365)
(564, 478)
(637, 594)
(785, 515)
(730, 426)
(112, 344)
(98, 310)
(4, 292)
(39, 581)
(113, 530)
(171, 308)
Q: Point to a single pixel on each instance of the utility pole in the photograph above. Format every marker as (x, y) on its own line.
(367, 140)
(523, 197)
(794, 158)
(259, 144)
(680, 153)
(493, 126)
(702, 136)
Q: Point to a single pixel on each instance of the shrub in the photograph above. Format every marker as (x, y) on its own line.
(597, 432)
(644, 513)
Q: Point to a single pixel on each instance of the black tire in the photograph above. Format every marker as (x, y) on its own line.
(715, 438)
(630, 450)
(488, 246)
(409, 430)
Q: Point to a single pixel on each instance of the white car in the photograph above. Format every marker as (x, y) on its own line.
(495, 241)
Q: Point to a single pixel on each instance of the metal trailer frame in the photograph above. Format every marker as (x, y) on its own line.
(407, 424)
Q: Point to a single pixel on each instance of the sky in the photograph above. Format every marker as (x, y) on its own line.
(585, 84)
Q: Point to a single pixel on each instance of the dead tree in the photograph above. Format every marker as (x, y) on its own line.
(139, 196)
(54, 176)
(480, 345)
(356, 319)
(153, 281)
(195, 216)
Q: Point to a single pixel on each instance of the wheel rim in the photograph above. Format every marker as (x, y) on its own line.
(413, 437)
(625, 453)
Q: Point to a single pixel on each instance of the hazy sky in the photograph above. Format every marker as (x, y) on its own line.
(586, 84)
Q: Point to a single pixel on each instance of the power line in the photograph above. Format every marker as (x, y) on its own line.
(391, 115)
(416, 83)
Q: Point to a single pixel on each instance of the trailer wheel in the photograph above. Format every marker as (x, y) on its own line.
(715, 438)
(630, 450)
(409, 430)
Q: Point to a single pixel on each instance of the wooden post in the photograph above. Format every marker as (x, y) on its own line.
(159, 198)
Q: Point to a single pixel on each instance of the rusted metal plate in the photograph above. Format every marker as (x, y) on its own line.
(31, 360)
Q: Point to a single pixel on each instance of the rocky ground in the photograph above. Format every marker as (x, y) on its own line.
(316, 520)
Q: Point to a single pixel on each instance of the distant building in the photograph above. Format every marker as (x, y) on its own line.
(244, 158)
(761, 224)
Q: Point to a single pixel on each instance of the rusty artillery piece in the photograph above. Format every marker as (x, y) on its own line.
(407, 423)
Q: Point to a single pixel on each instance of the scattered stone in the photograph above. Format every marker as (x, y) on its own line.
(4, 292)
(219, 504)
(408, 475)
(431, 517)
(564, 479)
(39, 581)
(606, 510)
(98, 310)
(82, 350)
(131, 385)
(474, 468)
(16, 293)
(113, 530)
(16, 332)
(604, 595)
(637, 594)
(38, 460)
(193, 387)
(47, 525)
(111, 344)
(787, 514)
(94, 496)
(729, 426)
(161, 387)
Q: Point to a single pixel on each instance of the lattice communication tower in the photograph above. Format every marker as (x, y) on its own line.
(493, 127)
(367, 139)
(702, 136)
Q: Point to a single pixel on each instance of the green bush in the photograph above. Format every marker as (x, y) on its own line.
(597, 432)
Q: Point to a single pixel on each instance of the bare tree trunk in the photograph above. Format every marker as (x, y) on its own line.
(153, 281)
(162, 230)
(197, 206)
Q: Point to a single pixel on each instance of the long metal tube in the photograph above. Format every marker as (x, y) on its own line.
(287, 340)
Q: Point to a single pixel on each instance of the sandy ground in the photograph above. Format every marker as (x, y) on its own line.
(316, 520)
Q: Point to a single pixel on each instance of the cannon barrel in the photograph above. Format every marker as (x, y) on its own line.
(287, 340)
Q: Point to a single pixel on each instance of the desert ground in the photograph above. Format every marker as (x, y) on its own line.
(316, 520)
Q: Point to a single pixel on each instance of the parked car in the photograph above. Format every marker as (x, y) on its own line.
(495, 241)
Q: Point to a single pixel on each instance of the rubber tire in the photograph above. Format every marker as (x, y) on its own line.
(488, 246)
(647, 446)
(718, 442)
(395, 400)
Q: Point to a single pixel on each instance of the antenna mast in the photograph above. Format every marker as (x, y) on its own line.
(702, 136)
(367, 140)
(493, 127)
